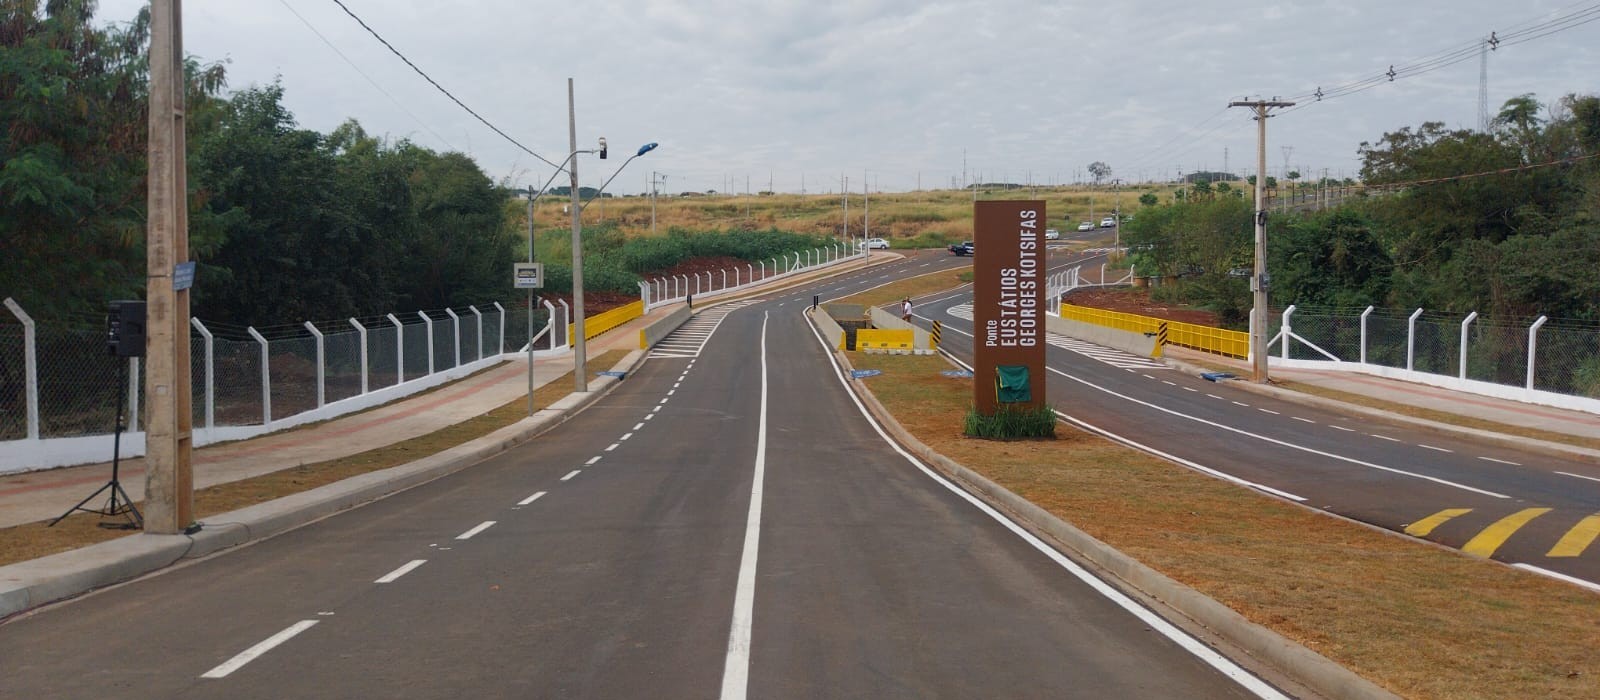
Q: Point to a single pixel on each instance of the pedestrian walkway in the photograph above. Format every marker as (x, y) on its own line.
(42, 495)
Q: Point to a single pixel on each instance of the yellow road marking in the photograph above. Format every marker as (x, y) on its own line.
(1495, 535)
(1578, 538)
(1422, 527)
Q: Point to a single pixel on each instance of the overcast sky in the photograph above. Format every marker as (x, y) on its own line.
(884, 90)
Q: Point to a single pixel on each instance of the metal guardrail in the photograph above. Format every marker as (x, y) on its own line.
(1190, 335)
(600, 323)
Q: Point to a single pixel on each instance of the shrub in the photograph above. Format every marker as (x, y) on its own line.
(1012, 423)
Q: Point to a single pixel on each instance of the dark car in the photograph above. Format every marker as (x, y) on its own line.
(961, 249)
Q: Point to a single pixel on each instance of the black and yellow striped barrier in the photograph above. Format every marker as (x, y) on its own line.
(1161, 340)
(935, 335)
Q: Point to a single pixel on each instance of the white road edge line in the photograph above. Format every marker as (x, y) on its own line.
(1265, 438)
(1206, 654)
(1560, 577)
(480, 528)
(736, 665)
(532, 498)
(571, 474)
(392, 576)
(1575, 476)
(265, 646)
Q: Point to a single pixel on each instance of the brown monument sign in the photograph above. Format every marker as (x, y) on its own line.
(1009, 262)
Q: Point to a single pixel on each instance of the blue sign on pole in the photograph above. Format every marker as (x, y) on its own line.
(183, 276)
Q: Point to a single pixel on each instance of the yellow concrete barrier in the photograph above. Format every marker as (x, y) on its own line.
(600, 323)
(885, 340)
(1205, 338)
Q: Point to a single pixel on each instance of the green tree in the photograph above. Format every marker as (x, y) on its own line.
(1148, 199)
(1099, 171)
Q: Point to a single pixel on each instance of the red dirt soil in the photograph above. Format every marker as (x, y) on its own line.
(1136, 300)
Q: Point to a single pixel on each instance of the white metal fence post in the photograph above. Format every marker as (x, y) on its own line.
(479, 315)
(550, 321)
(455, 334)
(1287, 315)
(322, 373)
(1411, 339)
(400, 349)
(501, 347)
(724, 278)
(1464, 324)
(30, 365)
(1364, 316)
(361, 341)
(1533, 347)
(566, 328)
(428, 324)
(211, 372)
(266, 378)
(750, 273)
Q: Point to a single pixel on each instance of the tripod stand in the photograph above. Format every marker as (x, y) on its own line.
(118, 502)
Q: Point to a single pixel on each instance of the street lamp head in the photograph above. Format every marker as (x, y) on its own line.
(645, 149)
(602, 148)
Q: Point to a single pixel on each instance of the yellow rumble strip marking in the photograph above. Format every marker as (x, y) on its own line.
(1495, 535)
(1578, 538)
(1422, 527)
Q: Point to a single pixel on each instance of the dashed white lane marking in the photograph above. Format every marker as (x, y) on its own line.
(397, 573)
(1487, 459)
(1169, 383)
(1236, 403)
(530, 499)
(1148, 377)
(651, 414)
(1304, 420)
(662, 401)
(480, 528)
(595, 458)
(1263, 410)
(571, 474)
(1575, 476)
(1431, 447)
(1340, 427)
(612, 446)
(265, 646)
(671, 392)
(625, 435)
(1214, 396)
(677, 384)
(1384, 437)
(637, 425)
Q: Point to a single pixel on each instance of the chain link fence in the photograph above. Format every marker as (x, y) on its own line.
(1566, 357)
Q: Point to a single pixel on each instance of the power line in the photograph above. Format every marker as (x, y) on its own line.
(363, 74)
(1486, 173)
(441, 89)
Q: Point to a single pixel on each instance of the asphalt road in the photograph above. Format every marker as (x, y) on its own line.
(1386, 474)
(726, 523)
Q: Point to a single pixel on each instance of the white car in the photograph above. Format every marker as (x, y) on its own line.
(877, 244)
(1086, 226)
(1051, 234)
(1108, 222)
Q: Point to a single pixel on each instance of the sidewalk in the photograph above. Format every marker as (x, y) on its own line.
(43, 495)
(1506, 416)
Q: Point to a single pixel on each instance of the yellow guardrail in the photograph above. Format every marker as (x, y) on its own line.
(600, 323)
(885, 339)
(1189, 335)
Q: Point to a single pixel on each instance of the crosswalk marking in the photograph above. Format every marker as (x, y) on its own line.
(691, 338)
(1422, 527)
(1115, 358)
(1492, 537)
(1578, 538)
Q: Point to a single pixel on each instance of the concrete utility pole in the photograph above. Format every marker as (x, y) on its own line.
(580, 374)
(866, 213)
(845, 188)
(169, 476)
(1260, 281)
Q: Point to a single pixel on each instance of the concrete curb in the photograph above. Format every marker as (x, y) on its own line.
(1553, 449)
(30, 584)
(1305, 666)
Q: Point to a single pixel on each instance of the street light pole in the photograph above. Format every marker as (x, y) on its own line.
(579, 375)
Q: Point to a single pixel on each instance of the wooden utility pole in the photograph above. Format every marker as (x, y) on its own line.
(169, 420)
(1260, 281)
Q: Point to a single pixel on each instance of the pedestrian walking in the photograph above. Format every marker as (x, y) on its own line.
(905, 310)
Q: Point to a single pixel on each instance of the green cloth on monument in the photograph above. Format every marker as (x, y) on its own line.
(1012, 384)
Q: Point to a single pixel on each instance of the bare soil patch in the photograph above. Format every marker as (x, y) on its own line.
(1136, 300)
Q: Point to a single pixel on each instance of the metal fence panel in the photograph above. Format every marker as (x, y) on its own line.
(293, 366)
(383, 356)
(443, 343)
(416, 349)
(1496, 353)
(1340, 335)
(342, 353)
(13, 382)
(1386, 341)
(1438, 347)
(78, 383)
(197, 379)
(1568, 361)
(238, 365)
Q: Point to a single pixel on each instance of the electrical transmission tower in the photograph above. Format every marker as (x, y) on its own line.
(1490, 44)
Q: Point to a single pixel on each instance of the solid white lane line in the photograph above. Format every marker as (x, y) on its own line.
(1575, 476)
(626, 435)
(612, 446)
(1155, 622)
(530, 499)
(591, 461)
(1340, 427)
(480, 528)
(1560, 577)
(1304, 420)
(406, 569)
(571, 474)
(1275, 413)
(638, 426)
(265, 646)
(1384, 437)
(1501, 461)
(736, 665)
(1435, 449)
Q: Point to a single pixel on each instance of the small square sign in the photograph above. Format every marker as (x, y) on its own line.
(529, 276)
